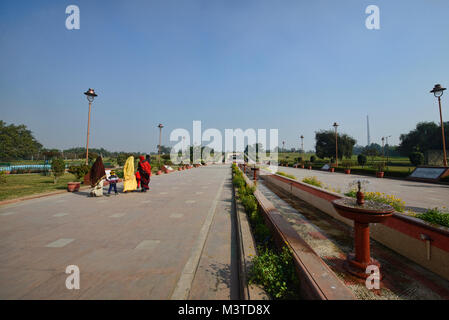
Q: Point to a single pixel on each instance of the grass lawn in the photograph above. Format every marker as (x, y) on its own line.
(20, 185)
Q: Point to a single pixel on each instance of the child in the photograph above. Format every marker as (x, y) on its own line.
(138, 179)
(113, 179)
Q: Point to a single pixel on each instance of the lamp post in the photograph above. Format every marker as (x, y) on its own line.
(438, 92)
(302, 143)
(90, 94)
(283, 146)
(160, 126)
(335, 125)
(388, 146)
(383, 147)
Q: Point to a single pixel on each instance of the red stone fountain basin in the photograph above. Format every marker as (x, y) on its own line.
(362, 215)
(370, 212)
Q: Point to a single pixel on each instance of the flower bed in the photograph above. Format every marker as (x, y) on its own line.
(273, 270)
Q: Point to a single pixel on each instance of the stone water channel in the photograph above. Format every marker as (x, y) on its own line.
(332, 241)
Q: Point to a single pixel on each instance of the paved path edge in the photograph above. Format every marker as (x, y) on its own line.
(182, 289)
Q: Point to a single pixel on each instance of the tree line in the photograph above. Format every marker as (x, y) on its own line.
(18, 143)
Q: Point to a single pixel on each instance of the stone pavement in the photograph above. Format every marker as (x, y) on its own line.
(130, 246)
(418, 196)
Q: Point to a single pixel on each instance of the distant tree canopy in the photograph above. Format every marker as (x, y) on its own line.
(17, 142)
(325, 144)
(426, 136)
(164, 149)
(389, 150)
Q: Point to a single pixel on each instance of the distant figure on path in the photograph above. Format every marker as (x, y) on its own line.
(97, 176)
(129, 183)
(113, 179)
(138, 179)
(144, 169)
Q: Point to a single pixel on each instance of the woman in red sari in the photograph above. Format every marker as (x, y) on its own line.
(144, 169)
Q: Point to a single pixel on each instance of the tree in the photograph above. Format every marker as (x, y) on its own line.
(426, 136)
(57, 168)
(51, 153)
(79, 171)
(164, 149)
(416, 158)
(361, 159)
(325, 144)
(17, 142)
(121, 159)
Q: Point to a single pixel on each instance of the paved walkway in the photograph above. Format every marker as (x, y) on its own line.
(418, 196)
(171, 242)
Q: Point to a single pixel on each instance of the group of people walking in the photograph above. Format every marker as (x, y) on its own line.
(131, 180)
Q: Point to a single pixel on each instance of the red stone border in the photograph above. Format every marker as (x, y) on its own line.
(317, 280)
(410, 226)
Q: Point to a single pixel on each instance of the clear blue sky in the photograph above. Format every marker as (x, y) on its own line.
(293, 65)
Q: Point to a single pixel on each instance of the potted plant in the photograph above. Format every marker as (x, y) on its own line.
(73, 186)
(347, 165)
(380, 166)
(309, 165)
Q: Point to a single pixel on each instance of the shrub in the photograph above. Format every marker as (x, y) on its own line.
(238, 181)
(312, 159)
(262, 232)
(313, 181)
(57, 168)
(362, 159)
(276, 273)
(379, 166)
(299, 159)
(2, 177)
(119, 174)
(286, 175)
(435, 216)
(348, 164)
(121, 159)
(79, 171)
(393, 201)
(250, 203)
(416, 158)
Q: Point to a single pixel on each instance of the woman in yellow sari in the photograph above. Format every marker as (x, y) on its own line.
(129, 183)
